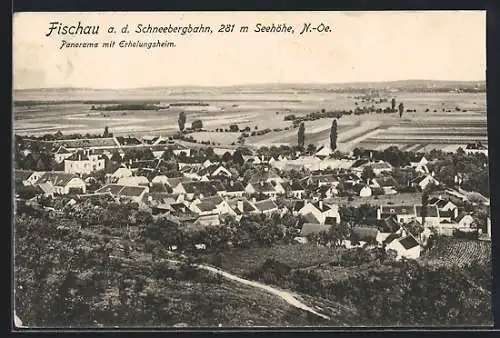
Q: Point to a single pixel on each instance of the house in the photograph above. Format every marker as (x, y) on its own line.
(381, 167)
(423, 181)
(195, 189)
(321, 211)
(294, 206)
(211, 205)
(324, 151)
(214, 170)
(160, 179)
(324, 180)
(403, 213)
(61, 154)
(366, 191)
(233, 189)
(121, 172)
(326, 192)
(266, 206)
(241, 206)
(406, 247)
(61, 183)
(443, 204)
(385, 227)
(432, 218)
(134, 193)
(465, 220)
(262, 187)
(133, 181)
(297, 190)
(421, 166)
(179, 149)
(174, 181)
(476, 148)
(387, 183)
(26, 177)
(83, 162)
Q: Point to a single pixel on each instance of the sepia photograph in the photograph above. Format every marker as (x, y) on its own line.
(250, 170)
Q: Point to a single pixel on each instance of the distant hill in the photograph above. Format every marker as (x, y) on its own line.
(70, 93)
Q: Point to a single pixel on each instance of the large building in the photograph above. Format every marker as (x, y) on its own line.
(84, 162)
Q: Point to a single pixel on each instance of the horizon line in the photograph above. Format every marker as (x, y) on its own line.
(253, 84)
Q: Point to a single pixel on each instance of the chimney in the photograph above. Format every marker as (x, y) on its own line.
(254, 200)
(240, 205)
(321, 205)
(231, 183)
(262, 158)
(455, 213)
(440, 197)
(379, 213)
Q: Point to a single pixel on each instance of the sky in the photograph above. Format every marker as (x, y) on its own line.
(362, 47)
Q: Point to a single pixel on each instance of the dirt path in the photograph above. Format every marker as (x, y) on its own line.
(285, 295)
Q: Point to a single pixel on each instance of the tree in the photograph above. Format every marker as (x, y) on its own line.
(238, 157)
(425, 202)
(116, 157)
(301, 135)
(311, 148)
(367, 173)
(234, 128)
(197, 125)
(333, 136)
(106, 131)
(401, 108)
(393, 104)
(182, 121)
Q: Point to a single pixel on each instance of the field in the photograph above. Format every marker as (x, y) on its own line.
(453, 251)
(242, 261)
(418, 130)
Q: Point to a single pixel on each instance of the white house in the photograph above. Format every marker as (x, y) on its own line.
(134, 193)
(432, 217)
(321, 211)
(366, 191)
(160, 179)
(266, 206)
(121, 173)
(403, 213)
(476, 148)
(61, 183)
(465, 221)
(83, 163)
(423, 181)
(265, 188)
(407, 247)
(27, 177)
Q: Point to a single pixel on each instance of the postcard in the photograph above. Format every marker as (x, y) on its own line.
(185, 170)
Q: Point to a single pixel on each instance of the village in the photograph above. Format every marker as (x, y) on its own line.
(408, 205)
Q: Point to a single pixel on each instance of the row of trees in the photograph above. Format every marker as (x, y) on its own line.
(333, 136)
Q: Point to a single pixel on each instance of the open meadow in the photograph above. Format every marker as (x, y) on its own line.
(437, 120)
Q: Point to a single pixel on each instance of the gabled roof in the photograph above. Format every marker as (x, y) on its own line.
(297, 205)
(62, 150)
(247, 206)
(386, 181)
(265, 205)
(296, 186)
(324, 178)
(462, 215)
(432, 211)
(419, 179)
(78, 156)
(199, 187)
(56, 178)
(408, 242)
(132, 191)
(174, 181)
